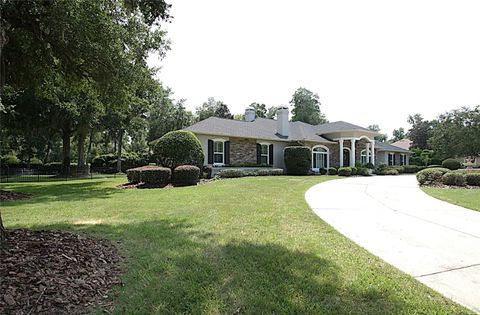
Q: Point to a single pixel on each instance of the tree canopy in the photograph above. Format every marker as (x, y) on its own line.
(306, 107)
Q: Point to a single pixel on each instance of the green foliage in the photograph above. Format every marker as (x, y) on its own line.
(11, 161)
(260, 109)
(36, 163)
(298, 160)
(231, 173)
(323, 171)
(213, 108)
(451, 164)
(430, 176)
(420, 131)
(156, 175)
(268, 172)
(129, 160)
(186, 175)
(363, 171)
(473, 178)
(412, 169)
(454, 178)
(332, 171)
(383, 137)
(400, 169)
(178, 148)
(345, 171)
(398, 134)
(134, 175)
(306, 107)
(384, 169)
(354, 170)
(207, 171)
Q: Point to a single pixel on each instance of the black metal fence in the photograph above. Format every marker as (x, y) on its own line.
(15, 175)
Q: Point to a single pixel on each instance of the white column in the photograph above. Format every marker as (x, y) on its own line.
(367, 147)
(352, 152)
(341, 152)
(373, 152)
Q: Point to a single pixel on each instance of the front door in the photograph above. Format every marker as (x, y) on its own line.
(346, 157)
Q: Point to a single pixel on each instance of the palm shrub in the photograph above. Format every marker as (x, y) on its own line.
(451, 164)
(431, 175)
(298, 160)
(177, 148)
(186, 175)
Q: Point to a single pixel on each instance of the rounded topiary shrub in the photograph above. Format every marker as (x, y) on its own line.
(363, 171)
(451, 164)
(354, 170)
(323, 171)
(177, 148)
(431, 175)
(298, 160)
(473, 179)
(156, 175)
(454, 178)
(332, 171)
(186, 175)
(345, 171)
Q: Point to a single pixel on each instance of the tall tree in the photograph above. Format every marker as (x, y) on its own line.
(271, 112)
(213, 108)
(398, 134)
(306, 107)
(222, 111)
(420, 131)
(260, 109)
(383, 137)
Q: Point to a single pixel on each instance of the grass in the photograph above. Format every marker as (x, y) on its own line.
(249, 245)
(468, 198)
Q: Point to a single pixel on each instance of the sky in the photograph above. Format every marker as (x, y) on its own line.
(370, 62)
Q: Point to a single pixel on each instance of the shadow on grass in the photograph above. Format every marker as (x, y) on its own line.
(60, 191)
(174, 268)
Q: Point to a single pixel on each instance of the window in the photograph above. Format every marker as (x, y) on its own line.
(363, 157)
(218, 152)
(391, 159)
(403, 159)
(319, 158)
(264, 154)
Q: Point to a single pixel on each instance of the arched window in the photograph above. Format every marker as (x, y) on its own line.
(320, 157)
(363, 157)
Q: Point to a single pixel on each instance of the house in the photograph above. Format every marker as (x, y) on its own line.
(261, 141)
(404, 144)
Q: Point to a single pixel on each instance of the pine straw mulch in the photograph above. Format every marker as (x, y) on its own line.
(12, 196)
(56, 272)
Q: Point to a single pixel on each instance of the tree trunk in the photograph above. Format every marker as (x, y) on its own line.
(82, 135)
(66, 134)
(3, 232)
(47, 152)
(119, 151)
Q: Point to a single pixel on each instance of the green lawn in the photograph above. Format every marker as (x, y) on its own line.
(249, 245)
(468, 198)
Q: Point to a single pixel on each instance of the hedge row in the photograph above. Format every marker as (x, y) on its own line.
(235, 173)
(445, 176)
(183, 175)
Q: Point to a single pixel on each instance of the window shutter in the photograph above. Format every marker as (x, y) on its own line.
(227, 152)
(394, 159)
(270, 154)
(259, 152)
(210, 151)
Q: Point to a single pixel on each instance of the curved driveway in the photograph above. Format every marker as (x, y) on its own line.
(436, 242)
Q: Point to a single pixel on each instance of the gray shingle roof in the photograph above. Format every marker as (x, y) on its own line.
(382, 146)
(260, 128)
(339, 126)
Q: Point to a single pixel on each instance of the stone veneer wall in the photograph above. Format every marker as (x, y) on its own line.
(243, 151)
(334, 151)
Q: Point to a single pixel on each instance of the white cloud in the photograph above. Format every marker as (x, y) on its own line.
(369, 61)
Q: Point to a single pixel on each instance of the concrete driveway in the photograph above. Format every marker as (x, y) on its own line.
(436, 242)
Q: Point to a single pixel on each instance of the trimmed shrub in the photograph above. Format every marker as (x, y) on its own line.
(156, 175)
(363, 171)
(207, 171)
(454, 178)
(431, 175)
(134, 175)
(370, 166)
(400, 169)
(186, 175)
(345, 171)
(354, 170)
(384, 169)
(322, 171)
(451, 164)
(332, 171)
(412, 169)
(298, 160)
(269, 172)
(177, 148)
(36, 163)
(473, 179)
(232, 173)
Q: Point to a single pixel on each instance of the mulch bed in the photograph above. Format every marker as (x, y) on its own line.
(11, 196)
(56, 272)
